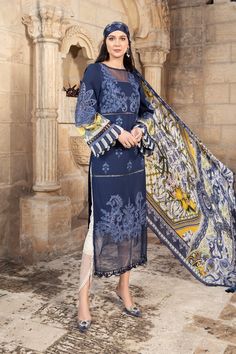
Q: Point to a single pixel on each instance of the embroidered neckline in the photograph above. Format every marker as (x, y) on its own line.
(114, 98)
(111, 67)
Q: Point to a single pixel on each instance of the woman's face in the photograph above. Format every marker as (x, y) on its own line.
(117, 44)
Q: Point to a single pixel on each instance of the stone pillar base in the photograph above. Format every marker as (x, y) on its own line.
(45, 228)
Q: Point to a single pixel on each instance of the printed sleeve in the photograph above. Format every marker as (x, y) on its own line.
(146, 123)
(97, 130)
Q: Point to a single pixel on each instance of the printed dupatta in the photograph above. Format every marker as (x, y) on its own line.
(190, 195)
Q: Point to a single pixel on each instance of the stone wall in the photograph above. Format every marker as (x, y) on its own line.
(200, 72)
(15, 122)
(16, 100)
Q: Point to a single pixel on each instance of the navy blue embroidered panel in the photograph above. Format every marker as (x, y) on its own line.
(117, 174)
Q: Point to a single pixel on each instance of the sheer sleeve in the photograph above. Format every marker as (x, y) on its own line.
(146, 123)
(97, 130)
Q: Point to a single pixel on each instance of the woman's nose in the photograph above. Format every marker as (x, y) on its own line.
(117, 42)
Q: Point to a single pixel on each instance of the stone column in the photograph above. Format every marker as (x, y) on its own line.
(46, 28)
(152, 60)
(45, 216)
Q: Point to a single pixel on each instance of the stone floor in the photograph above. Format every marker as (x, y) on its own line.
(181, 316)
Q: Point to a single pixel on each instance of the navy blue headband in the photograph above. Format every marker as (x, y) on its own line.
(116, 26)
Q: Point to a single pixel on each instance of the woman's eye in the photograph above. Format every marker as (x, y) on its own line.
(112, 38)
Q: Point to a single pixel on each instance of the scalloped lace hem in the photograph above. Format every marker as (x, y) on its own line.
(120, 270)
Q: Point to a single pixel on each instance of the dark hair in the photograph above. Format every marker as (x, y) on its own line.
(104, 55)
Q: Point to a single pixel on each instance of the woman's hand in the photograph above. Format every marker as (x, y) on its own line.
(137, 133)
(127, 139)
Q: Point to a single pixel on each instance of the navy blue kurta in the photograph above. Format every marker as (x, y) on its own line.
(111, 99)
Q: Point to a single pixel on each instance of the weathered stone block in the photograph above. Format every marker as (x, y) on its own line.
(76, 188)
(216, 93)
(229, 136)
(15, 77)
(209, 135)
(184, 3)
(63, 138)
(190, 114)
(9, 216)
(220, 13)
(198, 94)
(14, 47)
(187, 56)
(181, 94)
(66, 164)
(4, 199)
(18, 107)
(9, 16)
(105, 15)
(220, 73)
(187, 17)
(210, 34)
(233, 94)
(226, 31)
(5, 107)
(233, 53)
(229, 152)
(5, 169)
(4, 219)
(116, 5)
(217, 53)
(5, 137)
(218, 151)
(231, 163)
(21, 168)
(4, 233)
(104, 3)
(185, 75)
(12, 108)
(192, 36)
(59, 224)
(86, 8)
(23, 143)
(221, 32)
(220, 114)
(45, 226)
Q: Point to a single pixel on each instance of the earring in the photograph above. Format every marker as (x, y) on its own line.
(127, 52)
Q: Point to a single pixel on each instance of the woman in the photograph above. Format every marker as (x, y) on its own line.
(115, 119)
(190, 196)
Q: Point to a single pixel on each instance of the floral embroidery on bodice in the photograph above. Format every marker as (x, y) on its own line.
(114, 98)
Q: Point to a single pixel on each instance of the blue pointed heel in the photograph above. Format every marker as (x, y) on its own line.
(132, 310)
(84, 325)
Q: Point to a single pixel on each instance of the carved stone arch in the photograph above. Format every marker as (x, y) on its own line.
(131, 9)
(144, 15)
(76, 35)
(152, 15)
(151, 23)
